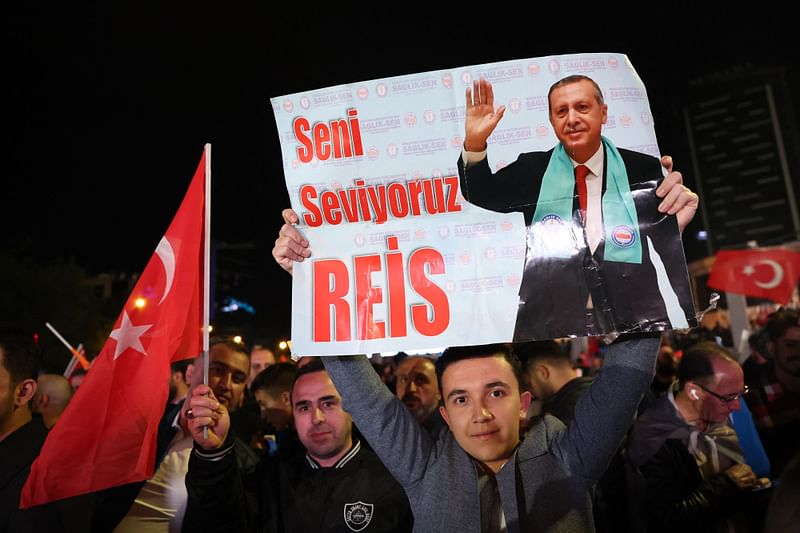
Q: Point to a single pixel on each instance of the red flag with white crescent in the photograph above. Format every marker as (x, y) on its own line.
(770, 273)
(107, 434)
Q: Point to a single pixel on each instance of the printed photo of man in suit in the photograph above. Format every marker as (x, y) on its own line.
(604, 249)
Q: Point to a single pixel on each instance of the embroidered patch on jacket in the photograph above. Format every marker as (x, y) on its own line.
(357, 515)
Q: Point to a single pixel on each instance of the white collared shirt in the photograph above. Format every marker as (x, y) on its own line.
(594, 189)
(594, 205)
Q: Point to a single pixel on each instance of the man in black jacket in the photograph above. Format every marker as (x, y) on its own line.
(333, 485)
(21, 436)
(551, 378)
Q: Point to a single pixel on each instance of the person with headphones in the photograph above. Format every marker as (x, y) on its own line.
(688, 457)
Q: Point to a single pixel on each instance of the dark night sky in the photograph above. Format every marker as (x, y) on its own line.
(107, 108)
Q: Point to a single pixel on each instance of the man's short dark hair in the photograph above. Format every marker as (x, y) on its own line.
(697, 362)
(239, 347)
(460, 353)
(665, 362)
(575, 78)
(275, 379)
(18, 355)
(780, 321)
(181, 366)
(759, 343)
(315, 365)
(529, 353)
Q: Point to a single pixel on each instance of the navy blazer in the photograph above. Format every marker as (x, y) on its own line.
(554, 292)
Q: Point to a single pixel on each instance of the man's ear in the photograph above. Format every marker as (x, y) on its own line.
(286, 399)
(524, 404)
(543, 371)
(24, 391)
(443, 412)
(187, 375)
(690, 389)
(771, 348)
(41, 400)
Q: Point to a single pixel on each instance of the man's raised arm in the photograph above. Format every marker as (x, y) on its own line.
(606, 410)
(390, 428)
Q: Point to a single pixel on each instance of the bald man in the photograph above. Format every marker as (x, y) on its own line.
(52, 396)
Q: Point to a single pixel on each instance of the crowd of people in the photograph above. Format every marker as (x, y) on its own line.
(423, 442)
(655, 431)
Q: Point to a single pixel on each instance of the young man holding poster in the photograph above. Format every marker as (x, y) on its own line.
(479, 476)
(492, 481)
(603, 253)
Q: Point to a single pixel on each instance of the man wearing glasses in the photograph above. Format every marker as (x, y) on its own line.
(688, 457)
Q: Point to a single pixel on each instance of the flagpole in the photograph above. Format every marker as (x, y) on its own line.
(206, 269)
(73, 351)
(72, 363)
(70, 366)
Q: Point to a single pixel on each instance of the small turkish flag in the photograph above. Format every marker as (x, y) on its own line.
(107, 434)
(770, 273)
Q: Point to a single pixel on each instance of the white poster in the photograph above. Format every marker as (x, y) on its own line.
(400, 261)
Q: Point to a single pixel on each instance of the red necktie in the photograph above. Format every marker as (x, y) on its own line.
(580, 180)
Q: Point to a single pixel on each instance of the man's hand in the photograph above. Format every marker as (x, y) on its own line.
(742, 476)
(207, 411)
(290, 246)
(481, 118)
(679, 200)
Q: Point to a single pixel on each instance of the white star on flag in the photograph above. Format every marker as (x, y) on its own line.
(127, 336)
(749, 270)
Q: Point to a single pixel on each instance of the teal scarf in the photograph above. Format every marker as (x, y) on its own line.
(553, 222)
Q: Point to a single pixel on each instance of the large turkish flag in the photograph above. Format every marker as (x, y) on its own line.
(107, 434)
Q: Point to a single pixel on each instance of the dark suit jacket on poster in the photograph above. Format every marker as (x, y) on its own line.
(554, 291)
